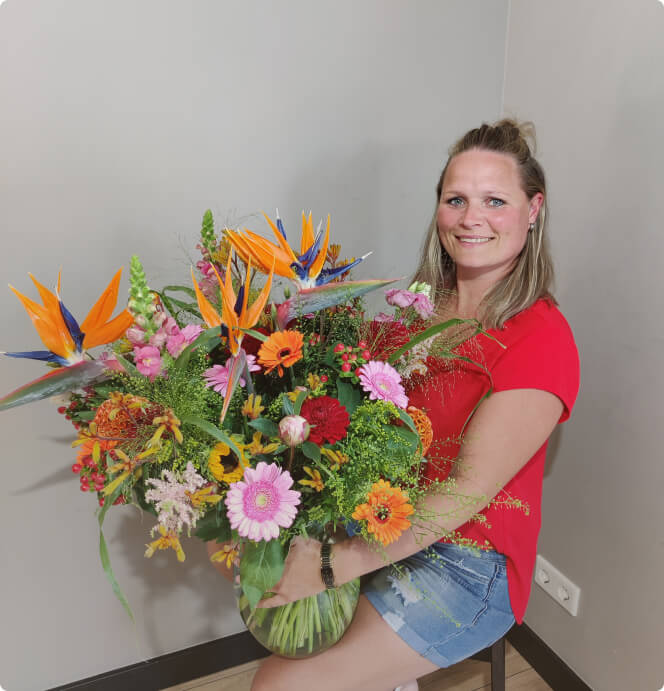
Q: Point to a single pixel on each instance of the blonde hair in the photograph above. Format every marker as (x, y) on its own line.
(532, 275)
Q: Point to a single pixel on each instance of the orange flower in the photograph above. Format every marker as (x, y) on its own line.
(386, 510)
(422, 425)
(282, 349)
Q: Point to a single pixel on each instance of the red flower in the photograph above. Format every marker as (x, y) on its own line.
(383, 338)
(329, 420)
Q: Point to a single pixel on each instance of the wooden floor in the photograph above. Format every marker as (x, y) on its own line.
(469, 675)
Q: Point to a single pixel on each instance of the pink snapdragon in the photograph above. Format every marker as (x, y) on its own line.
(148, 361)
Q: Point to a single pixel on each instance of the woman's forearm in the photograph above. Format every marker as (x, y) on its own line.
(441, 514)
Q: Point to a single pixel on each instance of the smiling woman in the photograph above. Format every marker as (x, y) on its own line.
(486, 258)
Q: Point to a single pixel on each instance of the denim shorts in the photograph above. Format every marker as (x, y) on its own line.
(446, 602)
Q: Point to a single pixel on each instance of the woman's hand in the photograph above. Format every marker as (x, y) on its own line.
(301, 576)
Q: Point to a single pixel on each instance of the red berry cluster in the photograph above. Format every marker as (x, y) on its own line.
(93, 475)
(351, 358)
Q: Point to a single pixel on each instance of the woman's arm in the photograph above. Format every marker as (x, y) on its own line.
(504, 434)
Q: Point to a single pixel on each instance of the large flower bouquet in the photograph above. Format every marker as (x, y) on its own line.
(247, 422)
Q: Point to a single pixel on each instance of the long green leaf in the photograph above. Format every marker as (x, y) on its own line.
(130, 369)
(55, 382)
(321, 297)
(261, 567)
(213, 431)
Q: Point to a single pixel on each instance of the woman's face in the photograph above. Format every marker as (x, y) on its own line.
(484, 214)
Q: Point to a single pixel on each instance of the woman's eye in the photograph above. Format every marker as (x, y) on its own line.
(455, 201)
(495, 202)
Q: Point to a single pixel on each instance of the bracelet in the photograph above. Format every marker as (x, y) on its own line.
(326, 572)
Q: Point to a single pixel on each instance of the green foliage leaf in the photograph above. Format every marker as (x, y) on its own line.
(287, 406)
(299, 400)
(213, 526)
(56, 382)
(266, 427)
(261, 567)
(127, 366)
(213, 431)
(311, 450)
(349, 396)
(256, 334)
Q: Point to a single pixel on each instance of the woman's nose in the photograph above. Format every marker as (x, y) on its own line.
(472, 215)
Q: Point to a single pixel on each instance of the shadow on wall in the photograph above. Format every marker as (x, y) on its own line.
(553, 449)
(204, 596)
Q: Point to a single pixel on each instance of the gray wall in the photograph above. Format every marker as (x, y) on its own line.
(120, 123)
(590, 75)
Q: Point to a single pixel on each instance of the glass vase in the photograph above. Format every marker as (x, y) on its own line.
(304, 627)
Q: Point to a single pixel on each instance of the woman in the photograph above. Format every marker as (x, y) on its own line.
(486, 257)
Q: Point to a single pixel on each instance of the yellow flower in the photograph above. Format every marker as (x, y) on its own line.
(220, 254)
(338, 458)
(252, 407)
(217, 468)
(202, 497)
(169, 422)
(292, 395)
(316, 480)
(166, 541)
(313, 382)
(228, 553)
(127, 466)
(256, 447)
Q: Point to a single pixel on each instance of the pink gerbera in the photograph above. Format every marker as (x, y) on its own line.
(217, 375)
(262, 502)
(383, 382)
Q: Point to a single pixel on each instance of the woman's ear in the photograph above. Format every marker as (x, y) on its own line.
(534, 206)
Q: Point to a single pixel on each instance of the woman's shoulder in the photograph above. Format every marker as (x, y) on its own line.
(543, 320)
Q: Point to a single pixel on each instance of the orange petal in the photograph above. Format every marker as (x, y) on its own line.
(281, 240)
(103, 309)
(109, 332)
(208, 312)
(317, 265)
(50, 326)
(254, 312)
(308, 238)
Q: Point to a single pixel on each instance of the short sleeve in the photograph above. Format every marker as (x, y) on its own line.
(543, 356)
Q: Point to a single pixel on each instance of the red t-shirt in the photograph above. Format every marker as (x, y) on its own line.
(539, 353)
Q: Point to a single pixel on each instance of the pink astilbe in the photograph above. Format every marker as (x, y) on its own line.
(382, 382)
(174, 506)
(217, 376)
(262, 502)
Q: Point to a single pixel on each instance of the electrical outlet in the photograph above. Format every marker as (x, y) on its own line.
(557, 585)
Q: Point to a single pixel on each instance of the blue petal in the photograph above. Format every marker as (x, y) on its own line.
(326, 275)
(280, 226)
(44, 355)
(74, 329)
(301, 271)
(308, 257)
(238, 302)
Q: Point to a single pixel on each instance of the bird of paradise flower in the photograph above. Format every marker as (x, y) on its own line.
(67, 343)
(304, 269)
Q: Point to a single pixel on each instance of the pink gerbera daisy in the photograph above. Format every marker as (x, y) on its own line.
(262, 502)
(383, 382)
(217, 375)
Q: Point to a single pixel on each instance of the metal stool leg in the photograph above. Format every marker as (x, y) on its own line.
(498, 665)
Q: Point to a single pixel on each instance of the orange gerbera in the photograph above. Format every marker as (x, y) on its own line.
(385, 511)
(282, 349)
(422, 425)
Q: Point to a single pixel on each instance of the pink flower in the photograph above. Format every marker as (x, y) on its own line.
(217, 375)
(382, 317)
(262, 502)
(383, 382)
(176, 344)
(111, 362)
(399, 298)
(148, 361)
(423, 306)
(191, 332)
(135, 336)
(293, 430)
(158, 339)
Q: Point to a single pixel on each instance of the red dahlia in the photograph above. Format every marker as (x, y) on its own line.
(329, 420)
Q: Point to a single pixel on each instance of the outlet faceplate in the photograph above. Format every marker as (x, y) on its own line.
(557, 585)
